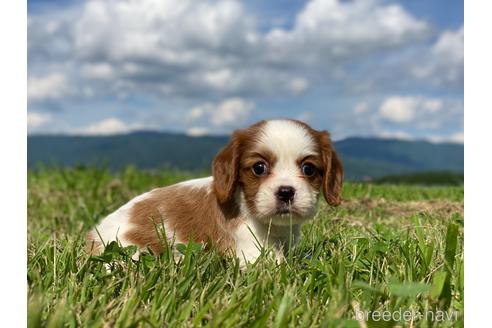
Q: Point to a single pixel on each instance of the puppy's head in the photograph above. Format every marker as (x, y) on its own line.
(275, 170)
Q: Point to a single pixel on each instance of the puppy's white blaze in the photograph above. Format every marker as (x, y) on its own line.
(197, 183)
(288, 140)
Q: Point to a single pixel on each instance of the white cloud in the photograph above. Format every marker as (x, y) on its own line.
(444, 62)
(416, 116)
(450, 45)
(457, 137)
(107, 126)
(401, 135)
(49, 39)
(98, 71)
(231, 112)
(399, 109)
(333, 29)
(432, 105)
(227, 113)
(35, 120)
(197, 131)
(405, 109)
(159, 30)
(198, 112)
(196, 48)
(222, 79)
(298, 85)
(166, 47)
(52, 86)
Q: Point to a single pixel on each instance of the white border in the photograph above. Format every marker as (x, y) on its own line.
(13, 87)
(478, 184)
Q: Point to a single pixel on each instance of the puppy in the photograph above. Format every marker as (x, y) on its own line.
(265, 183)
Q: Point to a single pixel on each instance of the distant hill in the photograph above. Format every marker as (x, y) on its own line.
(363, 158)
(431, 178)
(372, 157)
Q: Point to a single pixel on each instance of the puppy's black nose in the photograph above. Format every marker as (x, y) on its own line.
(286, 194)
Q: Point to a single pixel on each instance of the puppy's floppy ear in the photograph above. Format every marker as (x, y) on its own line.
(225, 169)
(332, 171)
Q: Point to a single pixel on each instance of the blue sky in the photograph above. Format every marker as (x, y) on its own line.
(364, 67)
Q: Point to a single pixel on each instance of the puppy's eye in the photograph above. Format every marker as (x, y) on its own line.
(260, 169)
(308, 169)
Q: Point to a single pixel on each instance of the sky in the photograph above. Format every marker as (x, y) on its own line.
(383, 68)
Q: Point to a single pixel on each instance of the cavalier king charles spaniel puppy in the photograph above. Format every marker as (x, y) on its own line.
(265, 183)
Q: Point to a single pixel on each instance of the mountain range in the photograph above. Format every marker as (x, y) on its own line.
(363, 158)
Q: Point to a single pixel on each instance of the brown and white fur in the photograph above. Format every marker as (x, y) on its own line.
(236, 210)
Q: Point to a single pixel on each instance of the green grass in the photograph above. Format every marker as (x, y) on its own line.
(393, 248)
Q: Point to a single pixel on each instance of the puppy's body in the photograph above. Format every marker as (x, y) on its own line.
(182, 212)
(265, 184)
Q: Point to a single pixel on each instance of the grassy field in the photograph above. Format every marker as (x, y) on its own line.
(386, 248)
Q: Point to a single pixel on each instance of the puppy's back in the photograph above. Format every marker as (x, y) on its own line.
(178, 213)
